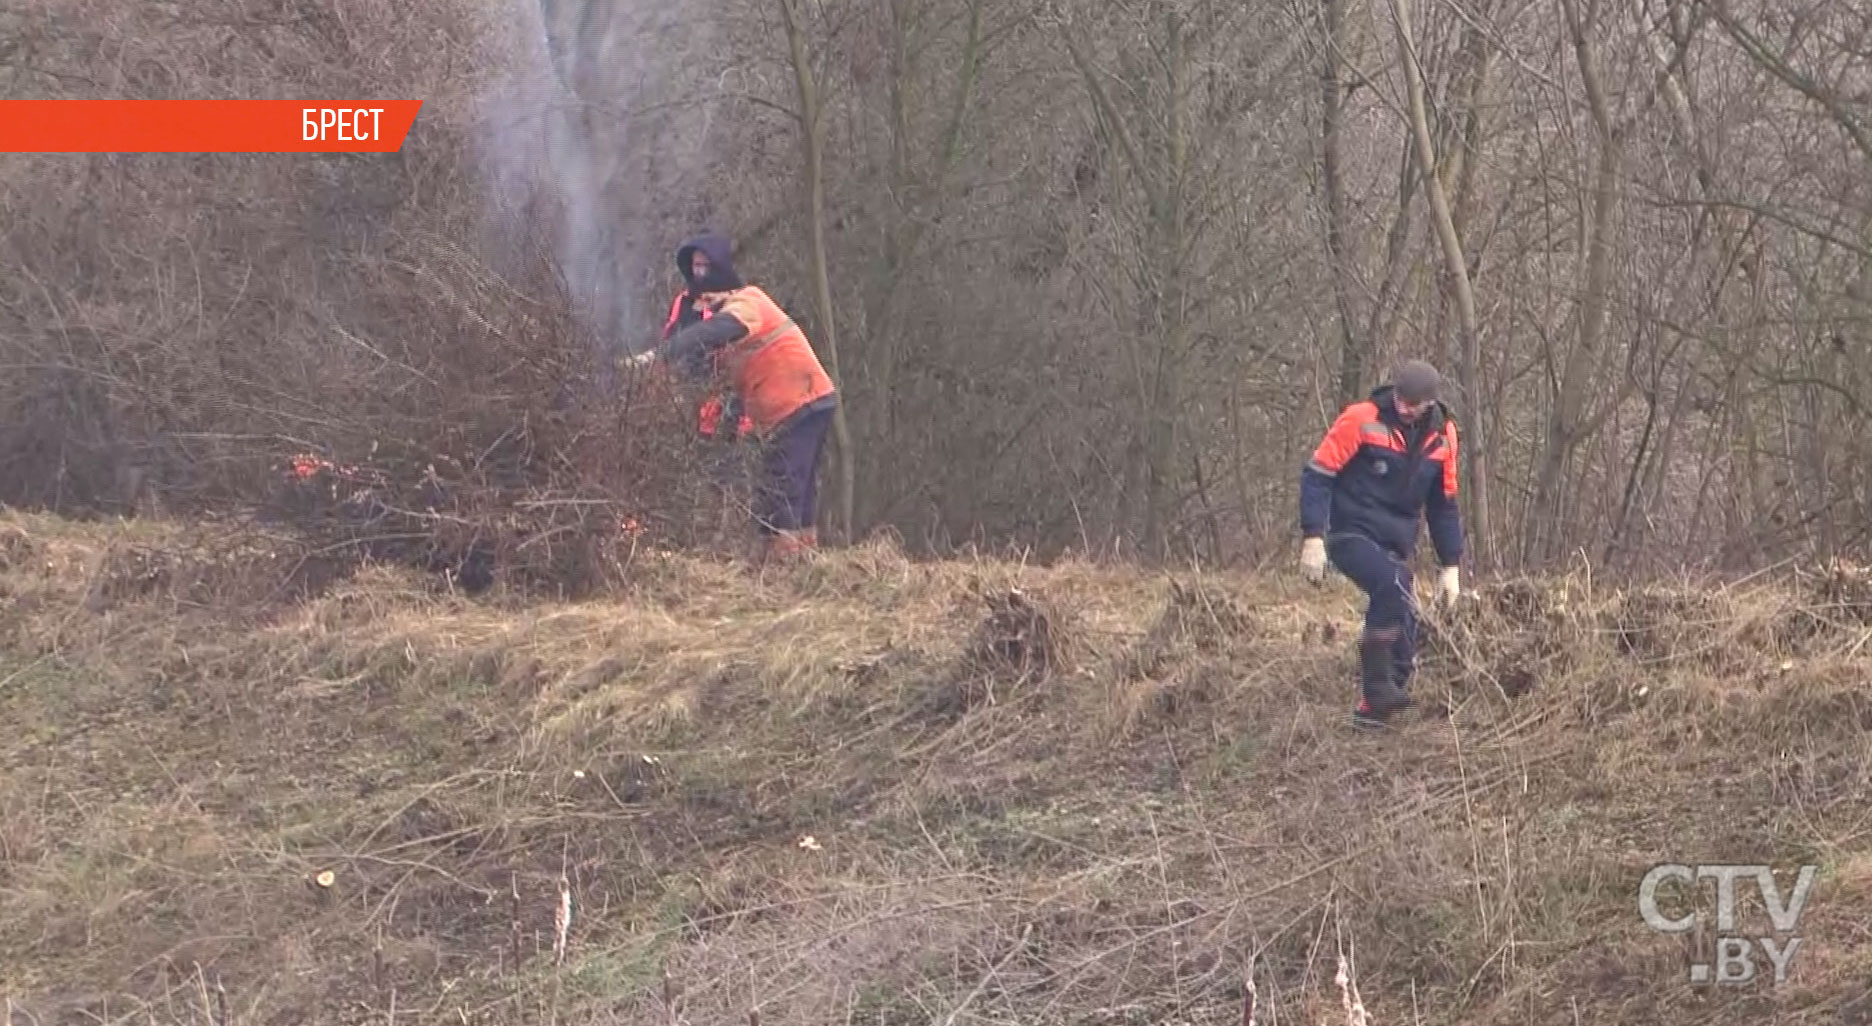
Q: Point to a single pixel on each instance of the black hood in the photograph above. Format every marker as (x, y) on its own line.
(720, 251)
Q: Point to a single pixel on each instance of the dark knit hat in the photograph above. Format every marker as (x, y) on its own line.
(1415, 381)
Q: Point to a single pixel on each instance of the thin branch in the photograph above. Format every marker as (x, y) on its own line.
(1766, 213)
(1109, 110)
(1801, 83)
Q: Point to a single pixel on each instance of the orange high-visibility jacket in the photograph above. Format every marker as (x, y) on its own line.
(773, 366)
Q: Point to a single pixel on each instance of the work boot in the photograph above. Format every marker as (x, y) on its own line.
(1380, 702)
(792, 546)
(1364, 719)
(1379, 697)
(1404, 667)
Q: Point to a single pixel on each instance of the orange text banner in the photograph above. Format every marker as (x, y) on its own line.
(204, 126)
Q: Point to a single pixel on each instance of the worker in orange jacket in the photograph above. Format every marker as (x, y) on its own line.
(769, 363)
(1385, 467)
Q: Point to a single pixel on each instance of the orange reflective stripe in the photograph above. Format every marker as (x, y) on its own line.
(1450, 476)
(675, 312)
(769, 338)
(1378, 434)
(1342, 438)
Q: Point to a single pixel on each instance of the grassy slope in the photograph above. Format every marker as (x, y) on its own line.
(1164, 796)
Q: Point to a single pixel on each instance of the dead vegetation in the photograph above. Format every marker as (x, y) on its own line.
(871, 790)
(1024, 636)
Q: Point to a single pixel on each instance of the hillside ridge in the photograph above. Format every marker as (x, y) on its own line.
(875, 790)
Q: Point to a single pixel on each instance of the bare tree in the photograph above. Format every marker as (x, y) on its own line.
(1070, 262)
(812, 119)
(1456, 264)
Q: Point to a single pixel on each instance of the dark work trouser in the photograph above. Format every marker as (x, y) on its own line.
(787, 496)
(1388, 646)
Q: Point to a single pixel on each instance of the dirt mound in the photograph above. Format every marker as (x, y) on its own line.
(1196, 618)
(1514, 635)
(1507, 638)
(1833, 601)
(230, 570)
(1183, 660)
(720, 795)
(1024, 636)
(16, 547)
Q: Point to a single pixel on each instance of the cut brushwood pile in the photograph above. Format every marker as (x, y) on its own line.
(243, 789)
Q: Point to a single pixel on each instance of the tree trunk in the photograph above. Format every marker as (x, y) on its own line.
(1454, 262)
(812, 135)
(1172, 319)
(1354, 352)
(1477, 447)
(1380, 326)
(903, 238)
(1163, 314)
(1566, 425)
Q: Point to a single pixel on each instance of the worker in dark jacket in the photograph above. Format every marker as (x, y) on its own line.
(715, 407)
(766, 359)
(1385, 462)
(721, 423)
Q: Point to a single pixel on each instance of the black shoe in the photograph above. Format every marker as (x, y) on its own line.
(1365, 720)
(1384, 698)
(1370, 715)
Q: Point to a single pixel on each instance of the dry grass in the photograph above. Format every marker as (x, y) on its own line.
(871, 790)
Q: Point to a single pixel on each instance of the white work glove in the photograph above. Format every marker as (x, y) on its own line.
(1313, 559)
(641, 359)
(1449, 586)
